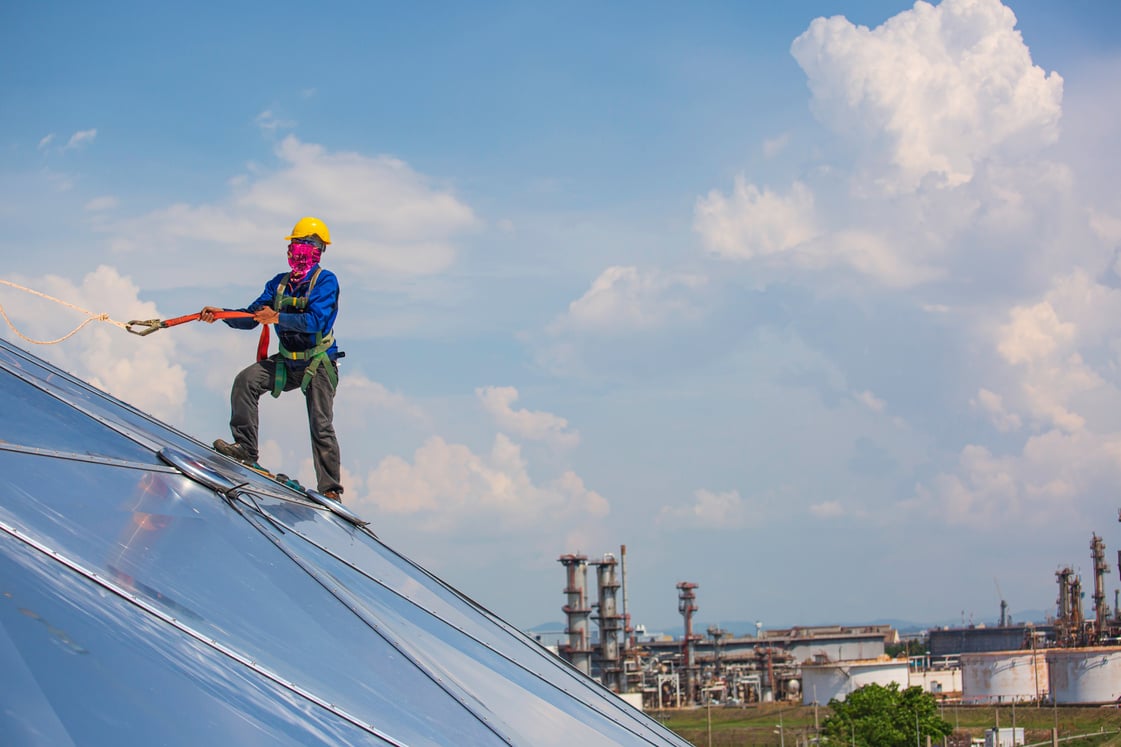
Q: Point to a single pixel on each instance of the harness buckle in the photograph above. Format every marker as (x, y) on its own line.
(148, 326)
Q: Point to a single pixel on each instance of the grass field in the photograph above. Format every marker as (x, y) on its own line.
(759, 724)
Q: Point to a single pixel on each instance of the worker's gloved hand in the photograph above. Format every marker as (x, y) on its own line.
(266, 315)
(207, 314)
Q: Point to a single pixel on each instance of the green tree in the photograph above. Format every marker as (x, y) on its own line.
(879, 716)
(910, 647)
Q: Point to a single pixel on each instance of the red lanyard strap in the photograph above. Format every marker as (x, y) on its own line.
(148, 326)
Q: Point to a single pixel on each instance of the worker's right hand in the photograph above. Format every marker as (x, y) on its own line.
(207, 314)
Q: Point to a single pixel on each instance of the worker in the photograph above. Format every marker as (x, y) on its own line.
(302, 304)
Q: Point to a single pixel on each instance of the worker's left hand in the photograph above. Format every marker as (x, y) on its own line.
(266, 316)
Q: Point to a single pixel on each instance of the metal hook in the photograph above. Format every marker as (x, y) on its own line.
(151, 326)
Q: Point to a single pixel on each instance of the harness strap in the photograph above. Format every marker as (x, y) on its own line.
(315, 356)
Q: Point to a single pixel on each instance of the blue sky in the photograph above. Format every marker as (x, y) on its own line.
(813, 304)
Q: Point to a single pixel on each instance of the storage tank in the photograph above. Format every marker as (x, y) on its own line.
(823, 682)
(1085, 675)
(1003, 676)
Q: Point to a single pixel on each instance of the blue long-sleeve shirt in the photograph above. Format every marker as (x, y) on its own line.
(297, 328)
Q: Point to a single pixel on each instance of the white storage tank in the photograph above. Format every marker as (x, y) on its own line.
(1089, 676)
(1003, 676)
(823, 682)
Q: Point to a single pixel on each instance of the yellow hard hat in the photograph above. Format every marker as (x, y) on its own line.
(308, 227)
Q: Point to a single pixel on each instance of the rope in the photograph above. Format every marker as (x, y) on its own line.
(103, 317)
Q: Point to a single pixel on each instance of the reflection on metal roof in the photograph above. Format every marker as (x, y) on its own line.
(153, 592)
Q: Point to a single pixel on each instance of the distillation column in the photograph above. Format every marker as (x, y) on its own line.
(1101, 611)
(578, 650)
(610, 623)
(686, 605)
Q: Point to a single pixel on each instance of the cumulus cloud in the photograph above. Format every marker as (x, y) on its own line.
(754, 222)
(708, 510)
(447, 487)
(625, 299)
(140, 370)
(947, 192)
(1033, 333)
(933, 90)
(1061, 356)
(760, 225)
(384, 216)
(362, 394)
(381, 193)
(992, 404)
(944, 122)
(1060, 376)
(1057, 477)
(533, 425)
(628, 320)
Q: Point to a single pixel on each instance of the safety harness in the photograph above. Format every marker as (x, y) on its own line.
(315, 356)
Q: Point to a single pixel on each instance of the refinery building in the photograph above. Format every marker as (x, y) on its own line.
(1070, 658)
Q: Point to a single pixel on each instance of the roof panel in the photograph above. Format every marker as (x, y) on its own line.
(177, 546)
(36, 419)
(82, 666)
(139, 603)
(429, 604)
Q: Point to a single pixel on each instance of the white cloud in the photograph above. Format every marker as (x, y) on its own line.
(775, 145)
(993, 406)
(753, 222)
(141, 370)
(269, 122)
(98, 204)
(381, 193)
(448, 488)
(1058, 477)
(827, 509)
(871, 401)
(872, 255)
(46, 140)
(80, 138)
(1033, 333)
(384, 218)
(534, 425)
(933, 90)
(363, 394)
(1060, 375)
(1049, 347)
(626, 298)
(708, 510)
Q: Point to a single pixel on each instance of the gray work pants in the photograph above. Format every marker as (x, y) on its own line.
(257, 380)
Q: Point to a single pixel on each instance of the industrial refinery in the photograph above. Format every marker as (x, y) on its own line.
(1072, 658)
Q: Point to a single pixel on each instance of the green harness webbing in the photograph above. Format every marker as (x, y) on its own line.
(316, 356)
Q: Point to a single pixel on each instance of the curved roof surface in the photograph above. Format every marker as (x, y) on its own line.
(154, 592)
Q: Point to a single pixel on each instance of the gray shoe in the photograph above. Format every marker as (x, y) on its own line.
(234, 451)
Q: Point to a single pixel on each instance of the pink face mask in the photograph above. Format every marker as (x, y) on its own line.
(301, 258)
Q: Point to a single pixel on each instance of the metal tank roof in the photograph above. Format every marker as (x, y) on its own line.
(154, 592)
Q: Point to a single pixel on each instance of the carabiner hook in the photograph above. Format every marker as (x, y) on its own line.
(149, 325)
